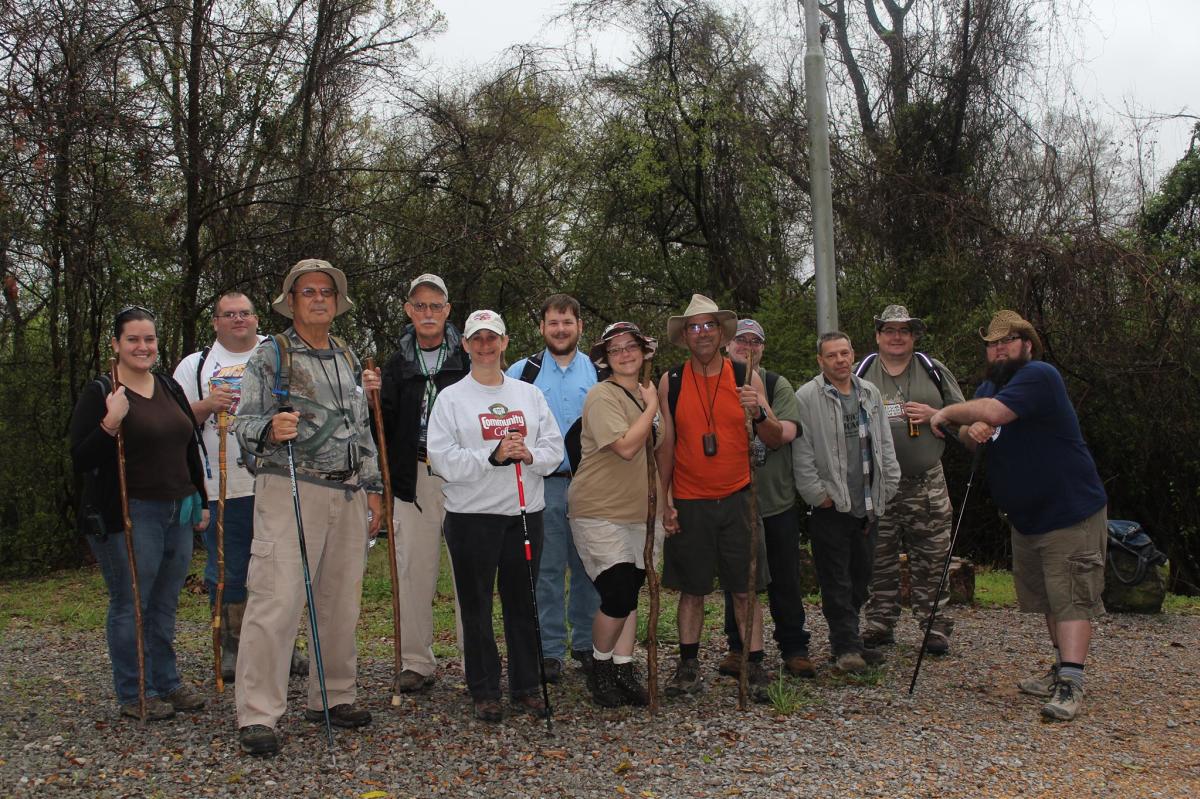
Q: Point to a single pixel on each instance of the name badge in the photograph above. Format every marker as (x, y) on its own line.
(895, 410)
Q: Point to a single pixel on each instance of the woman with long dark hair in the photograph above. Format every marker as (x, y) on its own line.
(165, 482)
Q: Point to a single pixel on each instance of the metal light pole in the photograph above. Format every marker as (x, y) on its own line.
(815, 92)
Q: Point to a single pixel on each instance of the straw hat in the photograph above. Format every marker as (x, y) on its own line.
(698, 306)
(1006, 323)
(307, 266)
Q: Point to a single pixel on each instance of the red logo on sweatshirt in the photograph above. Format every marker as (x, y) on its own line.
(500, 421)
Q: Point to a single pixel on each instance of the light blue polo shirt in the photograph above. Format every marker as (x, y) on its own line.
(565, 389)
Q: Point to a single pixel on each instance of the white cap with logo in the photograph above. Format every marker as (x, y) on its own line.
(483, 320)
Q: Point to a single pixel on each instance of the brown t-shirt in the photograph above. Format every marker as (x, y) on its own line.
(157, 434)
(607, 486)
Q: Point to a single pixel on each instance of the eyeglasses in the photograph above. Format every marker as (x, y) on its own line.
(748, 341)
(1003, 342)
(432, 307)
(309, 292)
(697, 327)
(229, 316)
(896, 331)
(622, 350)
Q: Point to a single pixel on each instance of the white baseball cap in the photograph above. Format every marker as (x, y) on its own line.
(483, 320)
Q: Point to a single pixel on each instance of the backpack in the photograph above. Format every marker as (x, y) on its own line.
(675, 382)
(572, 440)
(1133, 578)
(931, 369)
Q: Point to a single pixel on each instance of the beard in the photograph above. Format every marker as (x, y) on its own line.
(562, 348)
(1001, 372)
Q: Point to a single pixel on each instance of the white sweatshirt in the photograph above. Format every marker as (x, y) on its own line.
(466, 425)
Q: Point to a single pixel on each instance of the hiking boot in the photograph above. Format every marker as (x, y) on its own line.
(258, 739)
(1066, 703)
(630, 686)
(411, 681)
(185, 698)
(554, 669)
(156, 709)
(1042, 686)
(938, 643)
(850, 663)
(345, 715)
(603, 684)
(584, 658)
(873, 639)
(231, 637)
(731, 664)
(488, 710)
(872, 657)
(687, 679)
(531, 704)
(759, 681)
(799, 666)
(299, 665)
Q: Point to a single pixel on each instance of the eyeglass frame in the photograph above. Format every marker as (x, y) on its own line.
(749, 340)
(1000, 342)
(699, 327)
(432, 307)
(310, 292)
(231, 315)
(636, 345)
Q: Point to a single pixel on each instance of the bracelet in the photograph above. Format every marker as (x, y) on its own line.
(107, 429)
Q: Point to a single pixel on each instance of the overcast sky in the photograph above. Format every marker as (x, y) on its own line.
(1140, 55)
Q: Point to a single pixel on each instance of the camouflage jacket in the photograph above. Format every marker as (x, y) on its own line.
(325, 388)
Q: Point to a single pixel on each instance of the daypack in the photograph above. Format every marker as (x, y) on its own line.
(931, 369)
(675, 382)
(1133, 580)
(572, 441)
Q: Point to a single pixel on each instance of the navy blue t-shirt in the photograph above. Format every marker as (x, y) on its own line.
(1039, 469)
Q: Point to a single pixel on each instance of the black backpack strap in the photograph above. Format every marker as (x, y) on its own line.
(200, 368)
(935, 374)
(533, 365)
(674, 383)
(772, 380)
(865, 364)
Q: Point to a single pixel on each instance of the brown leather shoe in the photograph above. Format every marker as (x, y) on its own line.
(731, 664)
(531, 704)
(488, 710)
(799, 666)
(411, 681)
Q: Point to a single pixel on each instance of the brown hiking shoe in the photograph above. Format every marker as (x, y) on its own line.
(344, 715)
(488, 710)
(687, 679)
(731, 664)
(156, 709)
(531, 704)
(851, 663)
(759, 681)
(411, 681)
(185, 698)
(799, 666)
(258, 739)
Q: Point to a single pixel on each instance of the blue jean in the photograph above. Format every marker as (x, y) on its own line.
(162, 547)
(239, 531)
(557, 607)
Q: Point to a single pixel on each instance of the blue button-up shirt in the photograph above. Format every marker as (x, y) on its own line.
(565, 389)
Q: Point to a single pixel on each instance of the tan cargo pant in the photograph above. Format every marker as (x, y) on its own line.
(335, 533)
(418, 555)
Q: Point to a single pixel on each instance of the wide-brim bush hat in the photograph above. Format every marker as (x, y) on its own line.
(599, 351)
(1007, 323)
(308, 266)
(898, 314)
(699, 306)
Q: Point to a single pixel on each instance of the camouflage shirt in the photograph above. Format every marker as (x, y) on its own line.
(325, 388)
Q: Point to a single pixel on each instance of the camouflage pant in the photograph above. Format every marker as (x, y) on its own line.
(918, 520)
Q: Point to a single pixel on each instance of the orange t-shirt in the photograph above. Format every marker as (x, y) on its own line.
(700, 476)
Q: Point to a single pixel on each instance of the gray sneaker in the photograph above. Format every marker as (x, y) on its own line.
(1042, 686)
(1066, 703)
(687, 679)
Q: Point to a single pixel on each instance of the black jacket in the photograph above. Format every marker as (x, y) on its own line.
(403, 388)
(94, 454)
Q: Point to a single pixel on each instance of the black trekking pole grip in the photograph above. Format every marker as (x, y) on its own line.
(937, 597)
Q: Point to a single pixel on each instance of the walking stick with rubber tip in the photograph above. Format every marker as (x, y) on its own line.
(752, 569)
(308, 589)
(537, 620)
(377, 413)
(133, 574)
(222, 431)
(652, 582)
(912, 686)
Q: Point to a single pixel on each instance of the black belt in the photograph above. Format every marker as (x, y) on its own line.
(564, 473)
(334, 479)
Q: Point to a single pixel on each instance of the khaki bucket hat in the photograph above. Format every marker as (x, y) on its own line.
(304, 267)
(698, 306)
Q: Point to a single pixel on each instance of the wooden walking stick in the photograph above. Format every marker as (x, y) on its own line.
(133, 575)
(222, 430)
(652, 582)
(377, 412)
(752, 579)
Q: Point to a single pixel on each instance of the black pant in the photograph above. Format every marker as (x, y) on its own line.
(843, 548)
(479, 545)
(783, 593)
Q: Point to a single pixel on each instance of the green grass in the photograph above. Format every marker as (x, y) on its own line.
(994, 589)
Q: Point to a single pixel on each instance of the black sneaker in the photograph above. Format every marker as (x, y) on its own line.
(687, 679)
(873, 639)
(938, 643)
(630, 686)
(872, 657)
(258, 739)
(759, 681)
(584, 658)
(345, 715)
(603, 684)
(554, 669)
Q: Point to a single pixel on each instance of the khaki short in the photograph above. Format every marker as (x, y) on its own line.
(603, 544)
(1061, 572)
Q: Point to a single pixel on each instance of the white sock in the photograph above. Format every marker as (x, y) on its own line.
(621, 660)
(598, 655)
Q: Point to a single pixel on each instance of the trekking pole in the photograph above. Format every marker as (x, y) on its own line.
(537, 621)
(308, 590)
(377, 412)
(652, 582)
(222, 430)
(912, 686)
(133, 575)
(752, 579)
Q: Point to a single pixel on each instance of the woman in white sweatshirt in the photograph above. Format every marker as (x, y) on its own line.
(479, 429)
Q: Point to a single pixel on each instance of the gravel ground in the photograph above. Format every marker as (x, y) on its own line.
(967, 732)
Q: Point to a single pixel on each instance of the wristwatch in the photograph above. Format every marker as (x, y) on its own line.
(762, 415)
